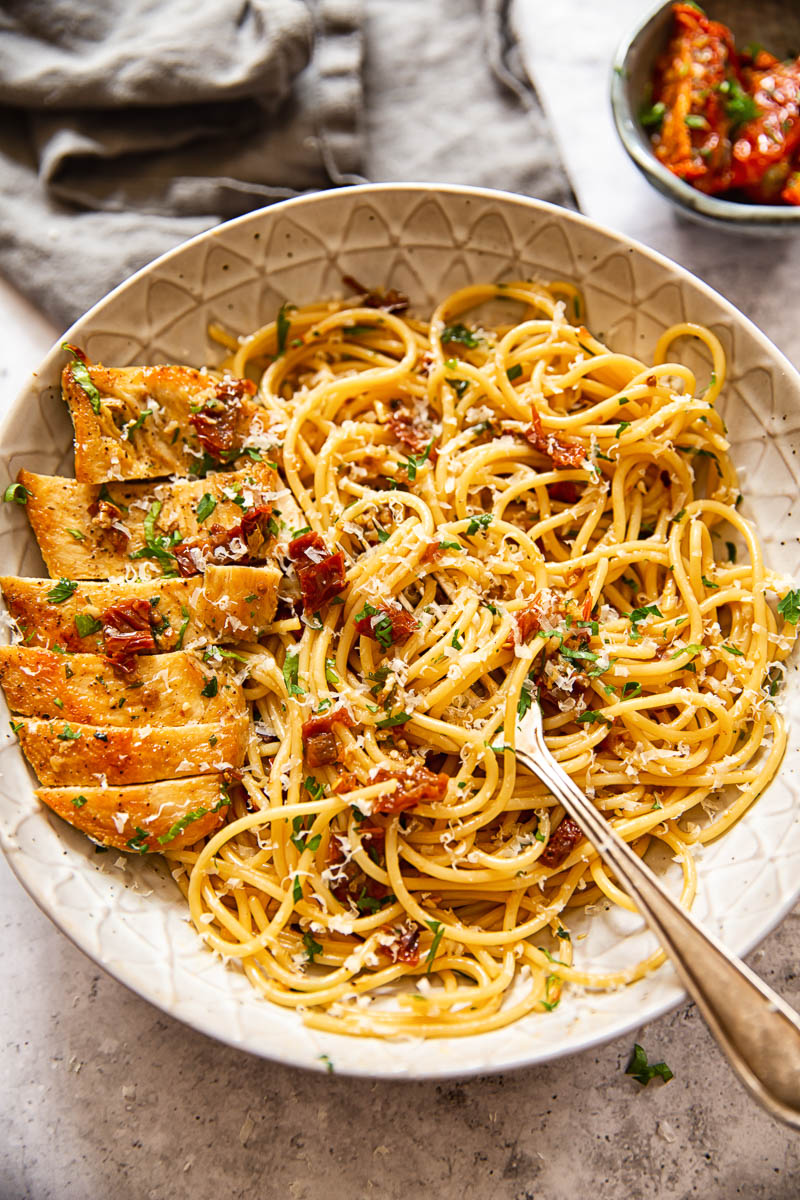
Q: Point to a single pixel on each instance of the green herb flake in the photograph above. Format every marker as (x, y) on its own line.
(460, 333)
(16, 493)
(138, 423)
(139, 842)
(297, 889)
(709, 584)
(180, 825)
(789, 607)
(631, 689)
(651, 115)
(398, 718)
(739, 106)
(291, 666)
(331, 678)
(642, 1071)
(514, 372)
(437, 929)
(282, 325)
(79, 801)
(730, 547)
(86, 624)
(68, 734)
(312, 947)
(211, 688)
(80, 373)
(62, 591)
(480, 522)
(457, 643)
(183, 628)
(205, 507)
(623, 425)
(593, 717)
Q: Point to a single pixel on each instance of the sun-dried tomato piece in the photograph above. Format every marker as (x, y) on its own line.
(388, 624)
(416, 784)
(699, 62)
(526, 622)
(217, 422)
(243, 543)
(405, 947)
(321, 574)
(322, 750)
(562, 453)
(410, 432)
(390, 300)
(353, 883)
(347, 782)
(563, 841)
(321, 746)
(565, 490)
(324, 722)
(127, 632)
(432, 551)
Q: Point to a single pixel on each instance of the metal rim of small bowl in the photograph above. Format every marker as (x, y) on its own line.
(711, 209)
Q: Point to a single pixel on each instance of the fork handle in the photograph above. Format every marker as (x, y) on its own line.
(757, 1030)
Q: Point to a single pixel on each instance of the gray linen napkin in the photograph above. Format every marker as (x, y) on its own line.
(127, 127)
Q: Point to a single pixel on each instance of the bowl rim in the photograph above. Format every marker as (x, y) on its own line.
(125, 973)
(711, 208)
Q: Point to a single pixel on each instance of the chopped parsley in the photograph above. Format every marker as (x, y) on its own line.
(138, 423)
(514, 372)
(139, 842)
(593, 716)
(708, 583)
(211, 688)
(180, 825)
(642, 613)
(414, 462)
(398, 718)
(184, 627)
(205, 507)
(643, 1071)
(86, 624)
(528, 694)
(17, 493)
(297, 889)
(460, 333)
(623, 425)
(155, 546)
(437, 929)
(282, 325)
(68, 734)
(291, 666)
(312, 948)
(459, 386)
(79, 801)
(789, 607)
(76, 533)
(480, 522)
(631, 689)
(80, 373)
(733, 650)
(457, 642)
(331, 677)
(62, 591)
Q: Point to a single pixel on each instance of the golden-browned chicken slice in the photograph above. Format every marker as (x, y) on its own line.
(142, 422)
(65, 753)
(86, 531)
(165, 689)
(143, 817)
(238, 602)
(72, 616)
(124, 620)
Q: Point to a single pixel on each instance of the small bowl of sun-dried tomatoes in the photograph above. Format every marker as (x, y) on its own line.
(707, 104)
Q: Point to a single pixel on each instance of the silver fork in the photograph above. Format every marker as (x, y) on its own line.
(757, 1030)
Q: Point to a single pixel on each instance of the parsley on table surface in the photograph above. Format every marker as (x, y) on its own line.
(643, 1071)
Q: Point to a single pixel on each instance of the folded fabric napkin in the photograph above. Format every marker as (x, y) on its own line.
(129, 126)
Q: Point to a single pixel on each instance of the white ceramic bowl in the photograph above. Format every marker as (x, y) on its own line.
(425, 240)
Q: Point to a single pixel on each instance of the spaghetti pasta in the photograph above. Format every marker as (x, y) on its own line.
(524, 516)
